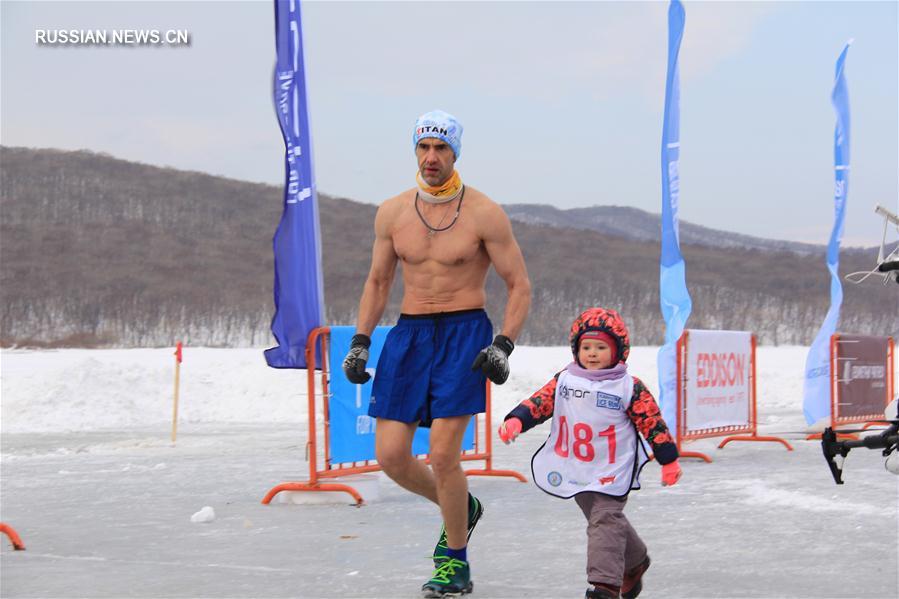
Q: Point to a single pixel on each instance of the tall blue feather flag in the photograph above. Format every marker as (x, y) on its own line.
(298, 289)
(673, 295)
(816, 391)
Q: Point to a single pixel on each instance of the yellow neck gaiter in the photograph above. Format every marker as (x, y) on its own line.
(450, 190)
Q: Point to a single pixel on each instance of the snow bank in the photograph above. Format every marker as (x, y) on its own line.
(84, 390)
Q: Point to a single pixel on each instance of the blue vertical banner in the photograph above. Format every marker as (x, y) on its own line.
(673, 295)
(816, 390)
(298, 288)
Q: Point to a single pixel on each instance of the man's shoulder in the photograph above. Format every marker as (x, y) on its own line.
(481, 202)
(476, 195)
(394, 204)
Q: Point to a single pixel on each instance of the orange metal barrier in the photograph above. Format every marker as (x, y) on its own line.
(746, 432)
(329, 470)
(10, 532)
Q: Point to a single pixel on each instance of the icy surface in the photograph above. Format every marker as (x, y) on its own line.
(101, 496)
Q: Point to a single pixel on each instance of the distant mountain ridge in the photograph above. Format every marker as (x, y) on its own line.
(633, 223)
(98, 251)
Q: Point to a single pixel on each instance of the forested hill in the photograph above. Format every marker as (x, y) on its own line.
(99, 251)
(633, 223)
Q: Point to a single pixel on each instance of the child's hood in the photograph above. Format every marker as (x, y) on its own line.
(605, 320)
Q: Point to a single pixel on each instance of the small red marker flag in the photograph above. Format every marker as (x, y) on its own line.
(178, 352)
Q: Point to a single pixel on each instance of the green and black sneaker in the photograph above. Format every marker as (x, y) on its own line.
(475, 511)
(452, 578)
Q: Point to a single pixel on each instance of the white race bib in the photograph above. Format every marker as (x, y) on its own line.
(593, 444)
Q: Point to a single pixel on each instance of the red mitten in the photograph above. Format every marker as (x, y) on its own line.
(671, 473)
(509, 429)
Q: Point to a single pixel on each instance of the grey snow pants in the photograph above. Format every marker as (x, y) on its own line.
(613, 546)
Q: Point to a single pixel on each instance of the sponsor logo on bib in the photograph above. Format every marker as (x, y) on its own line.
(573, 392)
(607, 400)
(554, 478)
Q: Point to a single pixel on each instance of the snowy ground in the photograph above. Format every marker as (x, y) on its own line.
(103, 499)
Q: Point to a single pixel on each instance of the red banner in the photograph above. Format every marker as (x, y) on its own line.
(863, 377)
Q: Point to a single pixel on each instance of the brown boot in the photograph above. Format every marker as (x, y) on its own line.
(633, 580)
(602, 591)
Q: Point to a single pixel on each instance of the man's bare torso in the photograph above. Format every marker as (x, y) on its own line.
(446, 270)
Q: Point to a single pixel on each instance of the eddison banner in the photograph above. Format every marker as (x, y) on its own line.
(718, 389)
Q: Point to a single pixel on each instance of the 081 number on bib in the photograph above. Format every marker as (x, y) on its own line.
(582, 446)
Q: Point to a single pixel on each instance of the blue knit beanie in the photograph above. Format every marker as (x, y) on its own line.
(441, 125)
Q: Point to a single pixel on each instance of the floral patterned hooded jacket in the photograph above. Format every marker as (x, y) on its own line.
(642, 409)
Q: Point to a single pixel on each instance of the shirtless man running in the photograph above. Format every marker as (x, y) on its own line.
(432, 368)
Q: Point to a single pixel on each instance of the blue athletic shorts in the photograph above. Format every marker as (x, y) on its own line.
(424, 371)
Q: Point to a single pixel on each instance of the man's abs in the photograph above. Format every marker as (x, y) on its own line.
(430, 287)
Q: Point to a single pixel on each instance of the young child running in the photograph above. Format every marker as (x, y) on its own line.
(594, 452)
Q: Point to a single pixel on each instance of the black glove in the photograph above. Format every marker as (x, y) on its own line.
(493, 360)
(354, 363)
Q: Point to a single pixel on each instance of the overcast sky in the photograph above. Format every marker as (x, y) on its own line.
(561, 102)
